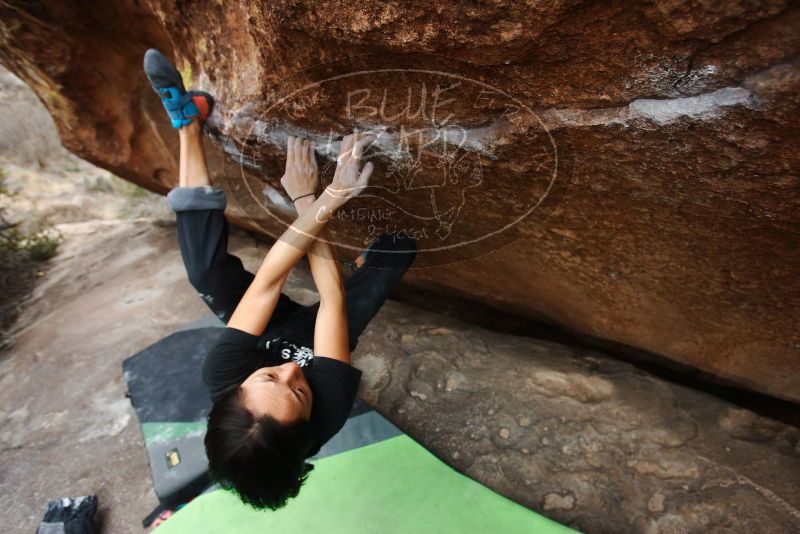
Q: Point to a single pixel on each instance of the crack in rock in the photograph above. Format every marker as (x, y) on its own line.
(484, 139)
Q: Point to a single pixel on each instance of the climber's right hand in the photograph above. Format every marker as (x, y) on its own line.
(350, 179)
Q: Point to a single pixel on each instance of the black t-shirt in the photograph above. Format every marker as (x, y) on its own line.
(237, 354)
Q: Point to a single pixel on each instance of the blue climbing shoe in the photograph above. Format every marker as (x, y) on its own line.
(182, 106)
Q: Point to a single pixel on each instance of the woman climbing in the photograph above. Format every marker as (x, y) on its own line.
(280, 375)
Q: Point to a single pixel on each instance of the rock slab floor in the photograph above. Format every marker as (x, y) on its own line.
(582, 438)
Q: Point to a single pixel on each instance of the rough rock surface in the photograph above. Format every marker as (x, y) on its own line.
(586, 440)
(671, 221)
(589, 441)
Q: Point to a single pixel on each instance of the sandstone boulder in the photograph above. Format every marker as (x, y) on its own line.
(627, 170)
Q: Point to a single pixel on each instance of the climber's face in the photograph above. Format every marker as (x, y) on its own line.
(281, 392)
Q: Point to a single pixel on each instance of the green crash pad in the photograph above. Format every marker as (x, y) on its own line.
(392, 486)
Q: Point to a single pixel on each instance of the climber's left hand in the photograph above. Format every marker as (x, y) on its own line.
(301, 175)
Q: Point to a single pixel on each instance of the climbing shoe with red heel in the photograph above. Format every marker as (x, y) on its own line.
(182, 106)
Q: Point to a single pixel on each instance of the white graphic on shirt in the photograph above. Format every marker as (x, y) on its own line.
(287, 350)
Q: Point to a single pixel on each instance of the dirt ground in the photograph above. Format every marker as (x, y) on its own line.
(66, 428)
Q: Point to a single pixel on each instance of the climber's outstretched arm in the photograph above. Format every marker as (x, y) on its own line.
(255, 309)
(258, 303)
(300, 180)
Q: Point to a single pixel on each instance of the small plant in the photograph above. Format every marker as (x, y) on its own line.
(39, 242)
(42, 243)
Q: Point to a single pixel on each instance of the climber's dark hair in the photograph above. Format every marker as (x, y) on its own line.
(261, 460)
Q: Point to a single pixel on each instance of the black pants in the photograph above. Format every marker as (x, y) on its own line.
(221, 279)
